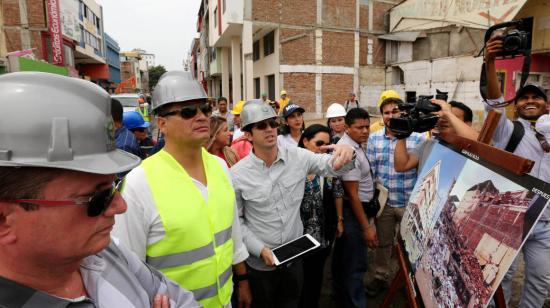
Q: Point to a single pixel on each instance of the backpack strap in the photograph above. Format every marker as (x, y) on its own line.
(515, 139)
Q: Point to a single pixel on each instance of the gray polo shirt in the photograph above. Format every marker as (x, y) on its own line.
(269, 198)
(115, 277)
(361, 173)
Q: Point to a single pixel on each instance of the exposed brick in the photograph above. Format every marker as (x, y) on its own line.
(379, 53)
(335, 88)
(11, 12)
(297, 51)
(338, 48)
(13, 40)
(301, 89)
(339, 13)
(36, 13)
(363, 46)
(364, 17)
(303, 12)
(265, 10)
(380, 11)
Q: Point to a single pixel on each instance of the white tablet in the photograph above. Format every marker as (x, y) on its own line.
(293, 249)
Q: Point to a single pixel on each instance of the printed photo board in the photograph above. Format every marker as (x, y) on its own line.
(465, 223)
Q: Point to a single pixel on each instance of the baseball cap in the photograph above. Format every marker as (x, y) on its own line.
(283, 92)
(291, 108)
(533, 88)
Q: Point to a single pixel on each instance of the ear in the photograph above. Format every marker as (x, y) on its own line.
(161, 124)
(7, 223)
(248, 136)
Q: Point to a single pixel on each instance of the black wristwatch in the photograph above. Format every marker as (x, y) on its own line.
(241, 277)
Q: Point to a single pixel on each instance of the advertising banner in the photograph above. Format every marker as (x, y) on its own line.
(55, 32)
(69, 19)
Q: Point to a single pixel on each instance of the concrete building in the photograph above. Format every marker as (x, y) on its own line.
(3, 50)
(130, 74)
(434, 45)
(317, 50)
(112, 52)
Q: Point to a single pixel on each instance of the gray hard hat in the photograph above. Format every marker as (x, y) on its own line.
(177, 86)
(58, 122)
(255, 111)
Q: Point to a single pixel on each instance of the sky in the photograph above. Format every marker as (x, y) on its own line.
(165, 28)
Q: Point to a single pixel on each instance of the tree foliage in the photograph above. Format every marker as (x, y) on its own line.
(154, 74)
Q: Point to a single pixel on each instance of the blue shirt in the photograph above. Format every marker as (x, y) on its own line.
(380, 152)
(126, 141)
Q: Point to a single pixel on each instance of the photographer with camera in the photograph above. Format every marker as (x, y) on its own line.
(521, 138)
(380, 148)
(454, 118)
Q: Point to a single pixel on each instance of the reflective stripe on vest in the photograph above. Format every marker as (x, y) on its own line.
(144, 114)
(197, 249)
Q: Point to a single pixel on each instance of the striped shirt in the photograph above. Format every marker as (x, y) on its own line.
(380, 152)
(115, 277)
(125, 140)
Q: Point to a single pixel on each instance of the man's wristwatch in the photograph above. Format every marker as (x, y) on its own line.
(241, 277)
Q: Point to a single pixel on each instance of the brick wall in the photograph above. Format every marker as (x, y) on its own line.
(364, 17)
(303, 12)
(339, 13)
(11, 12)
(265, 10)
(35, 13)
(336, 88)
(36, 18)
(380, 9)
(301, 89)
(297, 51)
(338, 48)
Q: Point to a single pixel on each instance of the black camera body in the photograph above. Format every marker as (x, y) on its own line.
(417, 114)
(516, 40)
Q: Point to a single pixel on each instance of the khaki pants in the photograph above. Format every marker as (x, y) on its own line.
(386, 226)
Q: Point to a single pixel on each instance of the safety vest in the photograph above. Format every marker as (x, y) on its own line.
(197, 249)
(144, 113)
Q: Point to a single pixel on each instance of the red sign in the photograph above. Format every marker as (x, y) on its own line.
(55, 32)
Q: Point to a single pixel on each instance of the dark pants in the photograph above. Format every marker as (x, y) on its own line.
(280, 288)
(314, 267)
(349, 264)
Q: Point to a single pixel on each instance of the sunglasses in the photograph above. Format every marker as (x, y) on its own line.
(263, 125)
(139, 129)
(320, 143)
(97, 203)
(190, 111)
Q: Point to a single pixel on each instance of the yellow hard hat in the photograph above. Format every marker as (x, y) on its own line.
(388, 94)
(238, 108)
(283, 92)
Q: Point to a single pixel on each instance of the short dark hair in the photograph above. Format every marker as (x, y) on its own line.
(356, 113)
(311, 131)
(222, 99)
(468, 114)
(25, 182)
(116, 110)
(390, 100)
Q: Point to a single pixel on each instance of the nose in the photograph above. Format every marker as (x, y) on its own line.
(117, 206)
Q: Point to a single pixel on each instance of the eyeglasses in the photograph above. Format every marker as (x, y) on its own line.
(97, 203)
(320, 143)
(263, 125)
(190, 111)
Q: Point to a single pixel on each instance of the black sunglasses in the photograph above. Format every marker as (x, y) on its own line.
(190, 111)
(320, 143)
(263, 125)
(97, 203)
(139, 129)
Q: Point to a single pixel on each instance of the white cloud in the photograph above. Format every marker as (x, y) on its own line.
(163, 27)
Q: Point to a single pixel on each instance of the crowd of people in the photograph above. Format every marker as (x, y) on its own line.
(97, 212)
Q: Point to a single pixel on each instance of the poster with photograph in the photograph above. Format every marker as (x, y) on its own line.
(464, 225)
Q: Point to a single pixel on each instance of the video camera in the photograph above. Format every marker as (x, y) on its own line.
(417, 114)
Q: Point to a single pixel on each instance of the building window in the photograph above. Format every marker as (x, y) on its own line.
(257, 87)
(215, 18)
(69, 56)
(256, 51)
(269, 43)
(398, 76)
(271, 87)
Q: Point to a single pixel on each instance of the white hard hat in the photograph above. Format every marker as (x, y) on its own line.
(58, 122)
(336, 110)
(255, 111)
(177, 86)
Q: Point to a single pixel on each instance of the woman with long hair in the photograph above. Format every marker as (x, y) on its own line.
(293, 126)
(321, 213)
(219, 141)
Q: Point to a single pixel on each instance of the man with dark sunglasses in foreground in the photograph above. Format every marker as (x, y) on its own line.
(269, 186)
(58, 202)
(181, 214)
